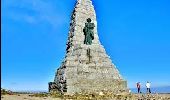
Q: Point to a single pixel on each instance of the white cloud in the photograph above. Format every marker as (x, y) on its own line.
(35, 11)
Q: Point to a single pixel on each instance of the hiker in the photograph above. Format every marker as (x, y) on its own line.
(148, 85)
(138, 87)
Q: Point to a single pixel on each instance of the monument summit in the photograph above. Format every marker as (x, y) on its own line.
(86, 67)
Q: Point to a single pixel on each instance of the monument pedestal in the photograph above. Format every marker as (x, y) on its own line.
(86, 68)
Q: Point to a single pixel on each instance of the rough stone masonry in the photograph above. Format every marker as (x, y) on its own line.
(86, 68)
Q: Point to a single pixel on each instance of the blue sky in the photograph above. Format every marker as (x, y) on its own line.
(135, 33)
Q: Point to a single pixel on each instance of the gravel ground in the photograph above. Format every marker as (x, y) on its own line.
(132, 97)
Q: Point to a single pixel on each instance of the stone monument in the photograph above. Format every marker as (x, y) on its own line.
(86, 67)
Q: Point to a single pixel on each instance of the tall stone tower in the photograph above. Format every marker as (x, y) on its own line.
(86, 68)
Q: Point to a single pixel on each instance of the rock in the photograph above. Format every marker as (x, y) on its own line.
(101, 93)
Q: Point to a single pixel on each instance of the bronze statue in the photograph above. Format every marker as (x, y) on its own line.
(88, 32)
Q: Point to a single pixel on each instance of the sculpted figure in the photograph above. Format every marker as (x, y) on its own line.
(88, 32)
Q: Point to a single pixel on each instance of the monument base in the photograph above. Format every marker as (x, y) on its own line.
(111, 86)
(88, 72)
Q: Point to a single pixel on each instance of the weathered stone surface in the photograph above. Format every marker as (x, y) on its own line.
(86, 68)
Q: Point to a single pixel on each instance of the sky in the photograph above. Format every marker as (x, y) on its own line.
(135, 34)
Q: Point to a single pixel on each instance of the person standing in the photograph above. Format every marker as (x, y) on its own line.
(138, 87)
(148, 86)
